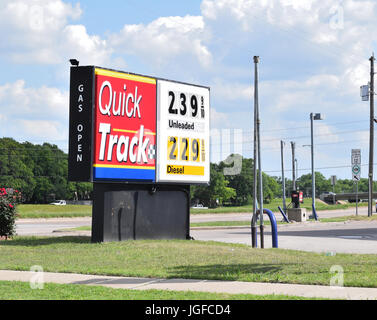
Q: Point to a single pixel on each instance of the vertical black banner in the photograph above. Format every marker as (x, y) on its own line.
(81, 109)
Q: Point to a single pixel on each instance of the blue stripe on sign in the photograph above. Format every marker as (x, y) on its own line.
(123, 174)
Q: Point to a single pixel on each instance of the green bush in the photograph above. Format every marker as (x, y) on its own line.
(8, 202)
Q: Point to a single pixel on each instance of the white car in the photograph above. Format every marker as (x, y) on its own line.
(199, 206)
(59, 203)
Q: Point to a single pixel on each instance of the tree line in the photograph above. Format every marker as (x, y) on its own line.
(231, 183)
(40, 172)
(237, 189)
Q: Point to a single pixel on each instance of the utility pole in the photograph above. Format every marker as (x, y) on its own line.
(282, 174)
(371, 137)
(256, 60)
(313, 116)
(255, 194)
(293, 167)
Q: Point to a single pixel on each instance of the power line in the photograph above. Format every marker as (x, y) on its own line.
(278, 148)
(322, 168)
(247, 141)
(301, 127)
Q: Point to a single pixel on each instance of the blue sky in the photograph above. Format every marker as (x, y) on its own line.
(314, 57)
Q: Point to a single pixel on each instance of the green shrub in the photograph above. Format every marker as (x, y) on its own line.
(8, 202)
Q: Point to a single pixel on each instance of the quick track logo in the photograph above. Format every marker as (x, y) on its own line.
(125, 126)
(125, 145)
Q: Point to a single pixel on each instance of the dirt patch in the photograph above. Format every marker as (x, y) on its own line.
(320, 201)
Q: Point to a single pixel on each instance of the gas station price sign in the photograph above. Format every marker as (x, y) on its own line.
(134, 128)
(183, 127)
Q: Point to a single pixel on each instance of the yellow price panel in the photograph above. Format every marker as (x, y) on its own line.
(195, 150)
(184, 149)
(203, 151)
(172, 148)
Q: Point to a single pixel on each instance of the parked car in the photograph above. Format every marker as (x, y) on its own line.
(199, 206)
(59, 203)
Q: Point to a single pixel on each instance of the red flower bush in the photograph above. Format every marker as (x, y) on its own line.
(8, 201)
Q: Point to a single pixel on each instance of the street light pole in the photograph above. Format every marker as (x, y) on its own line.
(293, 167)
(316, 116)
(371, 137)
(313, 175)
(260, 177)
(255, 193)
(282, 174)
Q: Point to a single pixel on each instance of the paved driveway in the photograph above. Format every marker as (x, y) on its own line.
(350, 237)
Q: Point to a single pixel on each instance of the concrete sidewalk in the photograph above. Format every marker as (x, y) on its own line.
(232, 287)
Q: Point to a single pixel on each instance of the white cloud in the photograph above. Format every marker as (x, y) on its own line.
(43, 130)
(163, 39)
(39, 32)
(340, 30)
(30, 113)
(217, 118)
(231, 91)
(19, 101)
(88, 49)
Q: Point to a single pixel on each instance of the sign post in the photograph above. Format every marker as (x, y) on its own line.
(142, 141)
(356, 170)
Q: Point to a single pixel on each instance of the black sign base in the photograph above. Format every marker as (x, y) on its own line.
(133, 211)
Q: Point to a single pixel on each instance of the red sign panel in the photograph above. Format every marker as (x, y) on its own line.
(125, 126)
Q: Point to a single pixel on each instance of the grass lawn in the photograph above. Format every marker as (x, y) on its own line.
(70, 211)
(15, 290)
(184, 259)
(52, 211)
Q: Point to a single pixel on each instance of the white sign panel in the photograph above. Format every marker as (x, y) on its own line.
(364, 93)
(183, 139)
(356, 164)
(356, 156)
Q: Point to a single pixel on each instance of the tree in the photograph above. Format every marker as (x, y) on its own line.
(216, 193)
(242, 180)
(39, 171)
(270, 188)
(321, 183)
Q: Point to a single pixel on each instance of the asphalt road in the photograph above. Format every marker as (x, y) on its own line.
(331, 238)
(48, 227)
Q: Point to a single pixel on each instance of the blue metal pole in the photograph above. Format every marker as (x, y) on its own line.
(274, 227)
(283, 214)
(314, 213)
